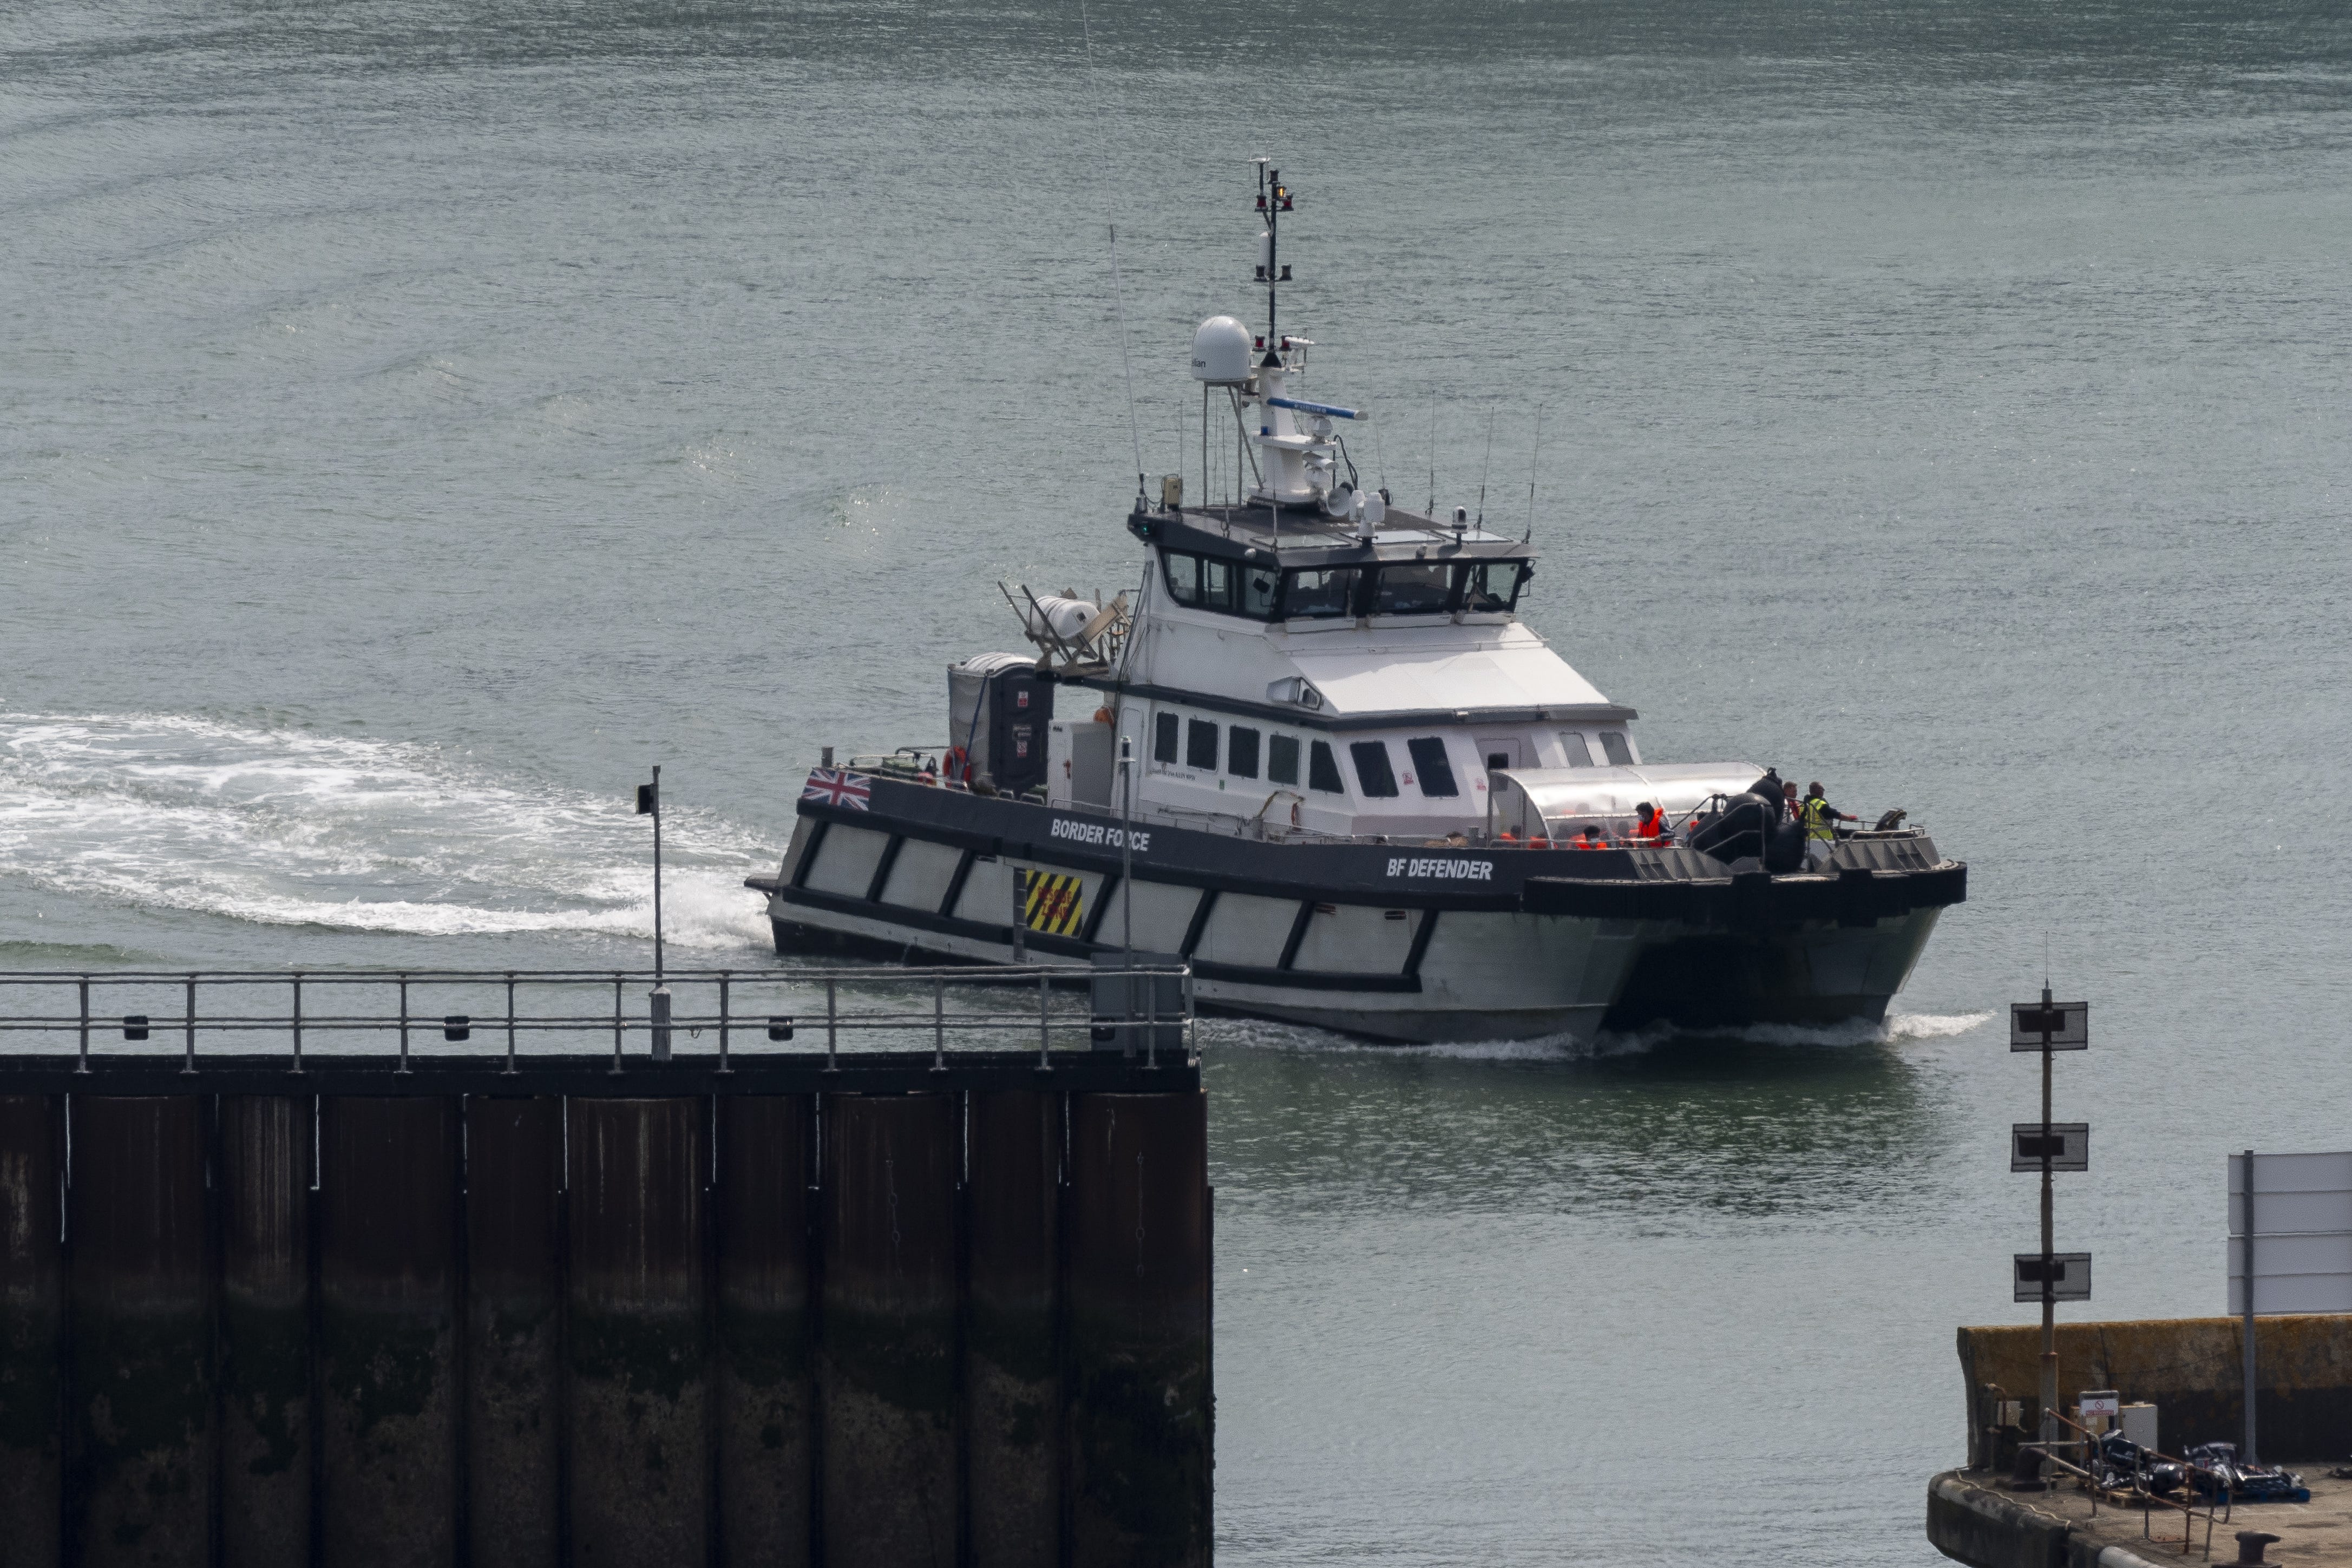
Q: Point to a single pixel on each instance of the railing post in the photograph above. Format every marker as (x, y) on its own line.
(1150, 1022)
(831, 1064)
(1191, 1022)
(616, 1023)
(1044, 1022)
(297, 1021)
(722, 1023)
(82, 1061)
(404, 1023)
(190, 1020)
(939, 1023)
(510, 1021)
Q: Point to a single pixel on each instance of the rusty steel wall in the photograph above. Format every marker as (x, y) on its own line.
(139, 1332)
(766, 1385)
(264, 1348)
(514, 1344)
(640, 1473)
(1137, 1371)
(388, 1255)
(878, 1331)
(32, 1313)
(1011, 1383)
(886, 1357)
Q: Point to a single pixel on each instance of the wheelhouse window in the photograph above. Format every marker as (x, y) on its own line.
(1414, 588)
(1241, 751)
(1320, 593)
(1163, 737)
(1488, 586)
(1201, 745)
(1373, 774)
(1613, 746)
(1282, 758)
(1431, 770)
(1579, 754)
(1229, 586)
(1323, 770)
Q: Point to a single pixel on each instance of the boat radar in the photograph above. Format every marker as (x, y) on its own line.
(1299, 465)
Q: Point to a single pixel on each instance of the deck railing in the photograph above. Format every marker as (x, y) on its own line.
(343, 1010)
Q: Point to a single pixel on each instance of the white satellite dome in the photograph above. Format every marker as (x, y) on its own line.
(1220, 353)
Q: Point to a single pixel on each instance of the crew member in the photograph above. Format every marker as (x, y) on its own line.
(1650, 828)
(1820, 819)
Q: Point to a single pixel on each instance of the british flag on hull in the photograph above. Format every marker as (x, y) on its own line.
(838, 787)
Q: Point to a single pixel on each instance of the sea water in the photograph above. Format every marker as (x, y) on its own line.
(422, 415)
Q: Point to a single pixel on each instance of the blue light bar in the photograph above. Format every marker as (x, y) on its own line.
(1333, 409)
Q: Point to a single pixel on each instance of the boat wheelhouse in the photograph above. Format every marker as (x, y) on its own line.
(1319, 755)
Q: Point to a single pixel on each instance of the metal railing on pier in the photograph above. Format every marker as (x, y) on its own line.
(337, 1011)
(2090, 1475)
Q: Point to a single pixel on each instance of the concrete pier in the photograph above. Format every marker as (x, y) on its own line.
(882, 1313)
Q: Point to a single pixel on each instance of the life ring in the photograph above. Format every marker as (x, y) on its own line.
(957, 767)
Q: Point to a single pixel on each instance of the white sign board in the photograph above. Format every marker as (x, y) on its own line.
(2302, 1233)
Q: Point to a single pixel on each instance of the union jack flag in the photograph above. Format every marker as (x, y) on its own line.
(838, 787)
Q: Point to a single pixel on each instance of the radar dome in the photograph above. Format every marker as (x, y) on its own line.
(1220, 353)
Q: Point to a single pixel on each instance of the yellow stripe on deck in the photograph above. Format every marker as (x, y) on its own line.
(1051, 901)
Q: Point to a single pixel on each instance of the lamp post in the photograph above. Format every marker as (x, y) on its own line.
(657, 1002)
(2050, 1275)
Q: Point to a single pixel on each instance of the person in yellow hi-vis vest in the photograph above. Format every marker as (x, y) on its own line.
(1820, 819)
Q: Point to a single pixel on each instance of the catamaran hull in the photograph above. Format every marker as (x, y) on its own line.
(1388, 942)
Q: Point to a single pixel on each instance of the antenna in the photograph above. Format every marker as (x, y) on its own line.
(1432, 452)
(1488, 468)
(1119, 293)
(1533, 457)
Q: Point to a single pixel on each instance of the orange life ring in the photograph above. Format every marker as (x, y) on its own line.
(957, 767)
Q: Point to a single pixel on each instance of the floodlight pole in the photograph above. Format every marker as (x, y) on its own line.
(2251, 1456)
(2049, 1245)
(657, 1002)
(658, 951)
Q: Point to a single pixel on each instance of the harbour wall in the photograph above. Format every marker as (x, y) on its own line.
(887, 1314)
(2191, 1369)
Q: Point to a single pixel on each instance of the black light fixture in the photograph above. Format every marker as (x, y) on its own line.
(134, 1026)
(456, 1027)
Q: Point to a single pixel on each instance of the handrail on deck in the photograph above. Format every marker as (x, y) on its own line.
(656, 1023)
(2146, 1500)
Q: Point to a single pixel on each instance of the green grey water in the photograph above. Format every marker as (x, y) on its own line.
(419, 416)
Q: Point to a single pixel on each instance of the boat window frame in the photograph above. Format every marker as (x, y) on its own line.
(1347, 600)
(1194, 730)
(1234, 749)
(1422, 748)
(1379, 784)
(1277, 745)
(1372, 591)
(1617, 747)
(1573, 750)
(1164, 728)
(1322, 763)
(1510, 606)
(1229, 597)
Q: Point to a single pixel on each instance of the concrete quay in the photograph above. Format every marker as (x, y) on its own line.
(1972, 1518)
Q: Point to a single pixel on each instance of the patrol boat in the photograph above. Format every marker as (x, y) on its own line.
(1319, 755)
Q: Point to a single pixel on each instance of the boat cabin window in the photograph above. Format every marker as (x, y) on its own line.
(1323, 770)
(1429, 768)
(1488, 586)
(1282, 758)
(1579, 754)
(1241, 751)
(1415, 588)
(1322, 594)
(1163, 737)
(1201, 745)
(1613, 746)
(1373, 773)
(1210, 582)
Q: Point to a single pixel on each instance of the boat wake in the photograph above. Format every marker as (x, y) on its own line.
(1898, 1028)
(293, 827)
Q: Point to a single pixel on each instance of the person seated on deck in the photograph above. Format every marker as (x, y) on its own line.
(1508, 837)
(1649, 828)
(1537, 840)
(1592, 838)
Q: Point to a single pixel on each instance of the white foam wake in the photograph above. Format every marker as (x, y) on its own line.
(296, 827)
(1249, 1033)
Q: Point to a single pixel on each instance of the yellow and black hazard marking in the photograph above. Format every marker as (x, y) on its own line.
(1051, 901)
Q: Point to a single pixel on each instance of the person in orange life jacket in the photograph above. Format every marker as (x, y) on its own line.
(1820, 819)
(1790, 810)
(1590, 839)
(1650, 829)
